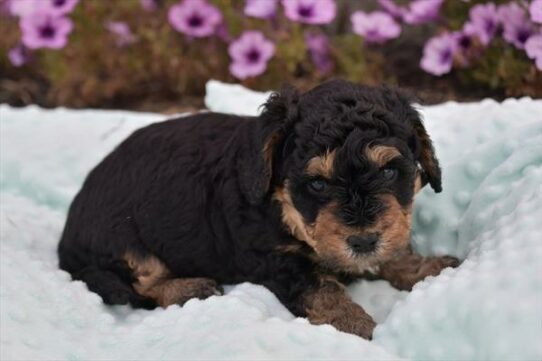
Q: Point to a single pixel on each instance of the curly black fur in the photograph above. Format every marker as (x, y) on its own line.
(197, 192)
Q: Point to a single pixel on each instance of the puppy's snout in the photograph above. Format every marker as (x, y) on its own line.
(363, 244)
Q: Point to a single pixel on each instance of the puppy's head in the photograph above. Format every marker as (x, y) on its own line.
(344, 162)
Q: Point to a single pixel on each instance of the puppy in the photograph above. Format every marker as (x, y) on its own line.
(314, 192)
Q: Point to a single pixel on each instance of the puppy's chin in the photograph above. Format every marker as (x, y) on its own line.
(356, 267)
(358, 263)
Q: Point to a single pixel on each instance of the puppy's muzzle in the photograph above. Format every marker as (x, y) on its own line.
(360, 244)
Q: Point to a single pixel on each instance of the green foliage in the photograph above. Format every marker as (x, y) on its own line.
(93, 71)
(504, 67)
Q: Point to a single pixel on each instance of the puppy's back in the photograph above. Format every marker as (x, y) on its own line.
(166, 159)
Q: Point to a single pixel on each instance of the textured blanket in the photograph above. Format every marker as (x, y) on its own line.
(490, 215)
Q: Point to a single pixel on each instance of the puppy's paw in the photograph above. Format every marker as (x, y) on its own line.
(432, 266)
(356, 323)
(330, 304)
(404, 272)
(205, 287)
(201, 288)
(180, 290)
(361, 326)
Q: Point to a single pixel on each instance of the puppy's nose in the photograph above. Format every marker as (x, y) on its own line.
(363, 244)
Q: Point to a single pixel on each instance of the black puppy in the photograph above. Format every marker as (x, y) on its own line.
(314, 192)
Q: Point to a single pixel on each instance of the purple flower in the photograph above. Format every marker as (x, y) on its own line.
(5, 8)
(150, 5)
(483, 22)
(422, 11)
(418, 12)
(310, 11)
(438, 54)
(318, 46)
(517, 27)
(196, 18)
(122, 32)
(250, 53)
(375, 27)
(25, 8)
(464, 40)
(19, 55)
(535, 9)
(466, 46)
(518, 34)
(60, 7)
(264, 9)
(511, 13)
(389, 6)
(43, 30)
(533, 47)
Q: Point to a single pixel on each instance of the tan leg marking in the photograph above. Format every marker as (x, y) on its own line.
(179, 290)
(407, 269)
(330, 304)
(155, 281)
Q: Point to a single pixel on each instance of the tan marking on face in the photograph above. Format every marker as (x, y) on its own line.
(322, 165)
(331, 234)
(393, 226)
(326, 226)
(381, 154)
(291, 217)
(328, 235)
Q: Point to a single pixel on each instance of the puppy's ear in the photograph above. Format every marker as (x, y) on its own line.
(268, 145)
(421, 144)
(431, 172)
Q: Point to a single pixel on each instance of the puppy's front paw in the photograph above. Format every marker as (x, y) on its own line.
(404, 272)
(352, 320)
(331, 305)
(432, 266)
(361, 325)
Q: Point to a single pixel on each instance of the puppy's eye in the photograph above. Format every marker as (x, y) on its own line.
(317, 185)
(389, 174)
